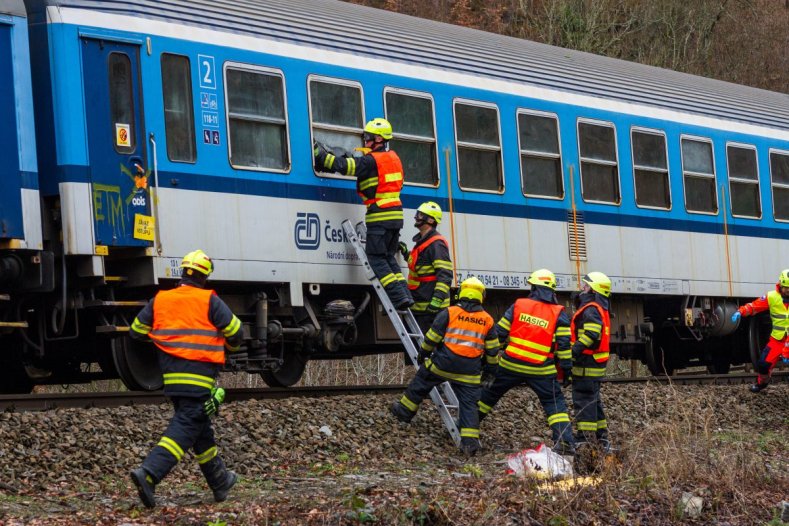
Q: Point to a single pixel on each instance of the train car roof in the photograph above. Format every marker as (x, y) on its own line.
(365, 31)
(12, 7)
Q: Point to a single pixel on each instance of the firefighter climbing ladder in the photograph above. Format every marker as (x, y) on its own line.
(407, 329)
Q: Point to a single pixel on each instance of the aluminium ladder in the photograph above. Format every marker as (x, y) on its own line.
(443, 396)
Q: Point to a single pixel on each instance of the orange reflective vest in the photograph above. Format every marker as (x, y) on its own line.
(390, 180)
(466, 332)
(181, 326)
(414, 279)
(532, 329)
(600, 354)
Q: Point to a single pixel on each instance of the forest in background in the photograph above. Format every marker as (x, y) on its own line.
(740, 41)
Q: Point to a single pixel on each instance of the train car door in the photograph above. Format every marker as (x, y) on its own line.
(116, 143)
(10, 179)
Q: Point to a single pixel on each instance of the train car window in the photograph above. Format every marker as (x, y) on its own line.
(336, 112)
(257, 120)
(599, 164)
(698, 171)
(413, 123)
(479, 146)
(650, 169)
(541, 158)
(779, 173)
(743, 181)
(179, 123)
(122, 99)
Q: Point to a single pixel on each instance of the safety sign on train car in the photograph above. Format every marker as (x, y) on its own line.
(122, 135)
(144, 227)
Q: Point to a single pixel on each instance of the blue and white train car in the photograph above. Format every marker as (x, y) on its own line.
(168, 126)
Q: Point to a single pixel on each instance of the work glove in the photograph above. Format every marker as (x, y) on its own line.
(403, 248)
(488, 375)
(736, 317)
(434, 306)
(318, 148)
(211, 405)
(421, 356)
(567, 376)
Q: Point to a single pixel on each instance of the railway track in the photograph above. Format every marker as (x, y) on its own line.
(48, 401)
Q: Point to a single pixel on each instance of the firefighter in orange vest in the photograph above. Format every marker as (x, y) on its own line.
(536, 331)
(591, 332)
(777, 302)
(429, 267)
(453, 351)
(379, 179)
(192, 327)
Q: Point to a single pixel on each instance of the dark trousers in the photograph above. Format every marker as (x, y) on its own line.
(189, 428)
(424, 320)
(467, 395)
(380, 248)
(589, 415)
(548, 392)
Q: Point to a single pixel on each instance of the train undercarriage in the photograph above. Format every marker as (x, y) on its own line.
(61, 326)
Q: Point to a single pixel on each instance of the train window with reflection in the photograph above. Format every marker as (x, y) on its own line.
(413, 124)
(257, 120)
(122, 103)
(698, 171)
(779, 174)
(743, 181)
(479, 146)
(179, 123)
(599, 165)
(541, 158)
(336, 113)
(650, 169)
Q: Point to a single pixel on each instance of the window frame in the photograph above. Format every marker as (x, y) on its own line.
(342, 82)
(133, 112)
(709, 141)
(254, 68)
(481, 104)
(651, 131)
(744, 146)
(191, 109)
(422, 95)
(770, 153)
(521, 151)
(606, 124)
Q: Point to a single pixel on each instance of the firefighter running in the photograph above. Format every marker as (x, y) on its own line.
(192, 327)
(379, 179)
(777, 302)
(453, 351)
(535, 332)
(429, 267)
(591, 331)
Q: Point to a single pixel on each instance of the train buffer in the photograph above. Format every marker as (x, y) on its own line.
(443, 396)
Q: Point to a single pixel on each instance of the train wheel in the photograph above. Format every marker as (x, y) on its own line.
(13, 377)
(658, 361)
(719, 366)
(289, 373)
(137, 364)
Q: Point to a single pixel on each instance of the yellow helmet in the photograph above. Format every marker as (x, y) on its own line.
(472, 289)
(379, 126)
(431, 209)
(544, 278)
(783, 279)
(199, 261)
(599, 283)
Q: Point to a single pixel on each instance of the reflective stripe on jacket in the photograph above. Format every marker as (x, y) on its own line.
(385, 204)
(779, 314)
(181, 326)
(532, 331)
(466, 332)
(601, 352)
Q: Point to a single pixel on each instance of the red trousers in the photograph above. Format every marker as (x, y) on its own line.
(773, 352)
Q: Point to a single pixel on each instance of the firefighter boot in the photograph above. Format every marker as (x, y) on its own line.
(401, 412)
(219, 478)
(469, 446)
(145, 486)
(564, 448)
(758, 387)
